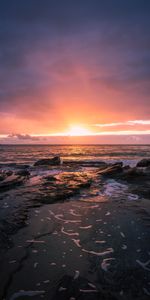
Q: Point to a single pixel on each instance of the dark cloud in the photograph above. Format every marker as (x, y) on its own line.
(121, 139)
(52, 9)
(23, 137)
(43, 44)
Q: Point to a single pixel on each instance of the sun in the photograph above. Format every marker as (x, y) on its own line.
(77, 130)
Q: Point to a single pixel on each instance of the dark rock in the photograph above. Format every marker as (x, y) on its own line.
(49, 162)
(4, 174)
(11, 182)
(125, 168)
(141, 189)
(23, 166)
(144, 163)
(147, 171)
(113, 170)
(119, 163)
(50, 178)
(132, 174)
(15, 166)
(2, 177)
(23, 173)
(9, 173)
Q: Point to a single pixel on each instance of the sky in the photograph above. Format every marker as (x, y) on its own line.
(75, 68)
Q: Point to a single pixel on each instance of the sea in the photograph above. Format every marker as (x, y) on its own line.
(29, 154)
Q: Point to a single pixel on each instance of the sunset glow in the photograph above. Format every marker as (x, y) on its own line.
(74, 69)
(74, 149)
(78, 130)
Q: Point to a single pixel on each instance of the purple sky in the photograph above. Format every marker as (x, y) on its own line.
(74, 63)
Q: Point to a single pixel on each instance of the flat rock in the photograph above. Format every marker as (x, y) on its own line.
(4, 174)
(11, 182)
(118, 163)
(49, 161)
(113, 170)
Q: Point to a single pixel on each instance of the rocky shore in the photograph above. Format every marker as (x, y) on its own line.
(88, 222)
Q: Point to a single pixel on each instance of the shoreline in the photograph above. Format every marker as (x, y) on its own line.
(77, 231)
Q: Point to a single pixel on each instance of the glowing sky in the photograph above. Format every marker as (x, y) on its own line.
(75, 66)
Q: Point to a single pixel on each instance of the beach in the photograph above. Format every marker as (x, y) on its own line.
(75, 228)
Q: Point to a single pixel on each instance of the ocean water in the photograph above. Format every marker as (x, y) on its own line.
(28, 154)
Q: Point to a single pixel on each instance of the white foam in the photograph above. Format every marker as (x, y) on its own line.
(124, 247)
(72, 212)
(12, 261)
(106, 263)
(61, 289)
(108, 213)
(46, 281)
(88, 291)
(77, 242)
(69, 233)
(77, 273)
(26, 293)
(133, 197)
(60, 218)
(112, 187)
(91, 206)
(92, 285)
(85, 227)
(144, 265)
(107, 251)
(146, 291)
(100, 242)
(35, 265)
(122, 234)
(35, 241)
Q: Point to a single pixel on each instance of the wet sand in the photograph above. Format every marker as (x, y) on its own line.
(75, 232)
(80, 250)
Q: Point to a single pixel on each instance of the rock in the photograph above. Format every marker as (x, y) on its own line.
(127, 167)
(17, 166)
(9, 173)
(23, 166)
(23, 173)
(119, 163)
(113, 170)
(144, 163)
(141, 189)
(50, 178)
(4, 174)
(49, 161)
(64, 186)
(11, 182)
(147, 171)
(131, 174)
(2, 177)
